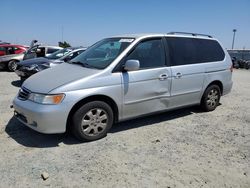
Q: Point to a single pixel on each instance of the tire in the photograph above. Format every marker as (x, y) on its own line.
(92, 121)
(211, 98)
(247, 66)
(12, 65)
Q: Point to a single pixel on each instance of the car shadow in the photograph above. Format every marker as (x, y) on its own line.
(156, 118)
(30, 138)
(3, 70)
(17, 83)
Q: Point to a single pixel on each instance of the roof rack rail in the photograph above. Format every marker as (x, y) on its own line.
(193, 34)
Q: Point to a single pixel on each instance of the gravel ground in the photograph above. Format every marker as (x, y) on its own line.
(183, 148)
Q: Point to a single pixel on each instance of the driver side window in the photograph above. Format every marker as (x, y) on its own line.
(150, 53)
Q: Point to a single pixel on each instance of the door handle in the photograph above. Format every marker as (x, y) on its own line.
(178, 75)
(163, 77)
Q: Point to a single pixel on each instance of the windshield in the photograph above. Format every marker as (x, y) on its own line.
(102, 54)
(59, 53)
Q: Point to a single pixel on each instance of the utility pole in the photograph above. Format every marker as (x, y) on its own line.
(62, 33)
(234, 31)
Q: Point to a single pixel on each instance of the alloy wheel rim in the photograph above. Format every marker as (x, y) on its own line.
(212, 98)
(94, 122)
(13, 66)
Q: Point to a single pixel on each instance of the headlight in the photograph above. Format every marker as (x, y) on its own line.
(46, 99)
(44, 66)
(32, 67)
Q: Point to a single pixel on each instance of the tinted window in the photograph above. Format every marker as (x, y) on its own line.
(10, 50)
(40, 52)
(189, 51)
(76, 54)
(59, 53)
(150, 53)
(2, 51)
(51, 50)
(72, 55)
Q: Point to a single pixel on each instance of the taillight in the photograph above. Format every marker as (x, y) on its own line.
(231, 68)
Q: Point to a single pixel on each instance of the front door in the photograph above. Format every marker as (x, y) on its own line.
(146, 90)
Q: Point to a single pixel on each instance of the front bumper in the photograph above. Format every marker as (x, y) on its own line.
(42, 118)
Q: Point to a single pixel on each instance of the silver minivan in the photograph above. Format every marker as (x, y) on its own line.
(125, 77)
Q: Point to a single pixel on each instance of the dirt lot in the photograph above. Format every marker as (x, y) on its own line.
(183, 148)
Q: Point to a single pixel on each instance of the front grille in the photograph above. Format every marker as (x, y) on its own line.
(23, 94)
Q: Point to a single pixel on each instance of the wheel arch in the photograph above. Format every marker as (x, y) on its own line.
(16, 60)
(218, 83)
(215, 82)
(83, 101)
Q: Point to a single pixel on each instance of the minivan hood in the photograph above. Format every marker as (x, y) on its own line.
(49, 79)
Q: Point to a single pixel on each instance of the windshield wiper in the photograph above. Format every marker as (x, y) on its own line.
(75, 62)
(83, 64)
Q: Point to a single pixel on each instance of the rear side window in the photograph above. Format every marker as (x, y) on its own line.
(10, 50)
(184, 51)
(16, 48)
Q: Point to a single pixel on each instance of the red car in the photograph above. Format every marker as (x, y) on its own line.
(8, 49)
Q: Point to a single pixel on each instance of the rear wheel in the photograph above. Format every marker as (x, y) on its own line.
(211, 98)
(12, 65)
(92, 121)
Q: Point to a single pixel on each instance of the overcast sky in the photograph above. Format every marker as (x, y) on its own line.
(83, 22)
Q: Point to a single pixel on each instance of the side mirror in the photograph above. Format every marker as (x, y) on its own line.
(132, 65)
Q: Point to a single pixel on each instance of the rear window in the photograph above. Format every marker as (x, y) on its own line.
(185, 51)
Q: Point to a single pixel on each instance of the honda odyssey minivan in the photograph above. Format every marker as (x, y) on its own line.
(125, 77)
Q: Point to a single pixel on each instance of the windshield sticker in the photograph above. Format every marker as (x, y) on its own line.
(126, 40)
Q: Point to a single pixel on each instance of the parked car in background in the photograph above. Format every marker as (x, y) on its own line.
(10, 54)
(240, 58)
(125, 77)
(29, 67)
(40, 51)
(10, 49)
(10, 61)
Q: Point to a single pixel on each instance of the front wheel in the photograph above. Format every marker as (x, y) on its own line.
(92, 121)
(211, 98)
(12, 65)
